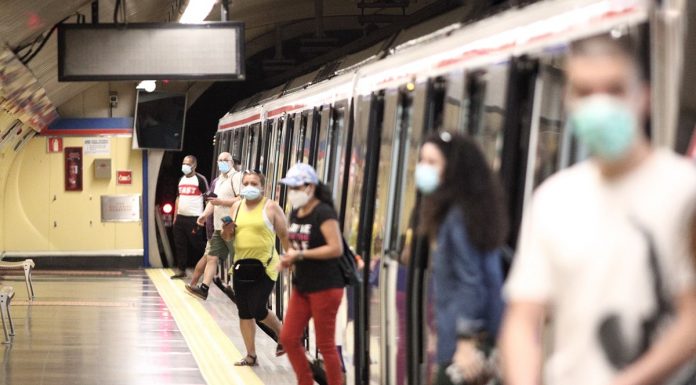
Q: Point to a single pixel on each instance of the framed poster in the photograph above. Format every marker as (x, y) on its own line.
(73, 168)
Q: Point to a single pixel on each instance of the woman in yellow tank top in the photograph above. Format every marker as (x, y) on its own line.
(257, 221)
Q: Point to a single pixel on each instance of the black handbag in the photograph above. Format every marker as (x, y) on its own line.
(349, 269)
(249, 270)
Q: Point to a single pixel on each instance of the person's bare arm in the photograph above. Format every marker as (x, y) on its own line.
(280, 224)
(206, 212)
(176, 208)
(674, 348)
(521, 344)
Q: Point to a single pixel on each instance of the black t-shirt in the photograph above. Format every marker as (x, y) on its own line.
(304, 233)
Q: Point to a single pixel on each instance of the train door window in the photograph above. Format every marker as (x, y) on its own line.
(276, 129)
(486, 117)
(254, 140)
(299, 138)
(285, 160)
(312, 137)
(322, 146)
(454, 108)
(363, 201)
(266, 137)
(435, 102)
(339, 143)
(549, 122)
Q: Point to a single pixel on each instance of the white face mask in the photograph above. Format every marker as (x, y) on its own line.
(298, 198)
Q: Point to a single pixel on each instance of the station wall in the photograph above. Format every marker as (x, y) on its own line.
(40, 216)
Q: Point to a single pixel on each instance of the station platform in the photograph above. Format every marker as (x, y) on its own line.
(128, 327)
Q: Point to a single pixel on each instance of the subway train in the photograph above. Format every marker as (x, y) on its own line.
(360, 120)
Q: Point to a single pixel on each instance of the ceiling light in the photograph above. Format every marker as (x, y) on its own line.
(196, 11)
(147, 85)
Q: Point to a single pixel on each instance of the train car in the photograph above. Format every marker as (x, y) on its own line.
(499, 80)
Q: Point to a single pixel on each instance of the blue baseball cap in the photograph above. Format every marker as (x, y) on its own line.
(300, 174)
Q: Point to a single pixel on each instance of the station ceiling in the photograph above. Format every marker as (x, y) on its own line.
(25, 23)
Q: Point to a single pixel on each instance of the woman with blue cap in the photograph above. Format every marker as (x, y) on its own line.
(315, 248)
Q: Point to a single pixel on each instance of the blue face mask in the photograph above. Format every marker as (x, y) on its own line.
(427, 178)
(224, 166)
(605, 125)
(250, 193)
(186, 169)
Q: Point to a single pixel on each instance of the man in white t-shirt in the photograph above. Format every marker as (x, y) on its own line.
(604, 251)
(188, 207)
(225, 189)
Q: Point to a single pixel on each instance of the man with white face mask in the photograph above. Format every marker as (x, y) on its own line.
(603, 251)
(188, 206)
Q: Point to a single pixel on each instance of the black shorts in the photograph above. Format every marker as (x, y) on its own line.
(252, 298)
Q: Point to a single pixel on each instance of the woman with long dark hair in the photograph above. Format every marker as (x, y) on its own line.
(463, 215)
(315, 248)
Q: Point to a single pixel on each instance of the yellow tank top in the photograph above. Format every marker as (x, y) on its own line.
(255, 237)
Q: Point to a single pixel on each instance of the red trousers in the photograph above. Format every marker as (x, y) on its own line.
(322, 306)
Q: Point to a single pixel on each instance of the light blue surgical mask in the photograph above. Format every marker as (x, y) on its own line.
(427, 178)
(605, 125)
(223, 166)
(251, 193)
(186, 169)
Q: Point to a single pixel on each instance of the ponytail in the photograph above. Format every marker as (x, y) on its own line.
(323, 193)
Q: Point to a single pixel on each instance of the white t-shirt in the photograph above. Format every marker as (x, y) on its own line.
(190, 197)
(223, 190)
(583, 253)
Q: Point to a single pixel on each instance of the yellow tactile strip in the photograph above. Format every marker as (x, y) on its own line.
(212, 349)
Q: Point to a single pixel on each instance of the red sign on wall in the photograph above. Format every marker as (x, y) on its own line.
(73, 168)
(54, 144)
(124, 177)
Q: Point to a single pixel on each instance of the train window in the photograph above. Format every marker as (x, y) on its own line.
(340, 144)
(486, 116)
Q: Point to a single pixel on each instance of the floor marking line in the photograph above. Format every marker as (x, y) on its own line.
(213, 351)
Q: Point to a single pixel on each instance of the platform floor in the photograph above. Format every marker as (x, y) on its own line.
(128, 327)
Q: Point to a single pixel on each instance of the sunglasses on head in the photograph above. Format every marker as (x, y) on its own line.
(254, 171)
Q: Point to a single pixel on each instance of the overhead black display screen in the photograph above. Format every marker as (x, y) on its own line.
(174, 51)
(159, 120)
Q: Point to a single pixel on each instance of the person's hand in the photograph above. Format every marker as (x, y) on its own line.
(216, 201)
(228, 230)
(469, 360)
(201, 221)
(287, 259)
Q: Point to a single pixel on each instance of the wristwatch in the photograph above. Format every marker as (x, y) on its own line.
(300, 255)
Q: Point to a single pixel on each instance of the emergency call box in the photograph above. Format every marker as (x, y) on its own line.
(102, 169)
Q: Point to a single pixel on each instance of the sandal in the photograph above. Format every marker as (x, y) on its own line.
(245, 361)
(279, 350)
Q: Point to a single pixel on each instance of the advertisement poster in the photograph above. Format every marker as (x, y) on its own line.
(73, 168)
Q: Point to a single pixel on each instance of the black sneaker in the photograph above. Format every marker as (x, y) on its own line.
(197, 292)
(180, 275)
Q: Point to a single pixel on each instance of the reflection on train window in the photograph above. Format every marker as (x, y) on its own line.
(486, 116)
